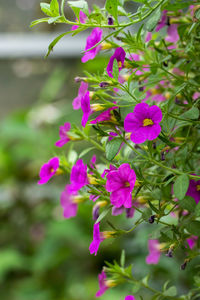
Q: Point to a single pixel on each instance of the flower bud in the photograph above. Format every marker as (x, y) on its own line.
(104, 84)
(152, 219)
(110, 20)
(183, 266)
(106, 46)
(92, 179)
(110, 283)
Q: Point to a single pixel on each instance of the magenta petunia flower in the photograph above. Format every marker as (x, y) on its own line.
(172, 35)
(82, 18)
(129, 297)
(97, 239)
(94, 38)
(154, 252)
(119, 55)
(81, 92)
(192, 241)
(194, 190)
(196, 95)
(104, 116)
(143, 122)
(120, 184)
(48, 170)
(163, 21)
(102, 284)
(64, 138)
(78, 176)
(67, 203)
(85, 106)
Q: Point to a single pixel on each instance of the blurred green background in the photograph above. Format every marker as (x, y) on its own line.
(42, 255)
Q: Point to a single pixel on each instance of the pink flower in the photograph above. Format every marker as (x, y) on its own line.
(85, 106)
(64, 138)
(154, 252)
(120, 183)
(82, 18)
(129, 297)
(194, 190)
(81, 92)
(119, 55)
(67, 203)
(162, 23)
(48, 170)
(172, 35)
(94, 38)
(143, 123)
(104, 116)
(196, 95)
(78, 176)
(102, 284)
(97, 239)
(148, 37)
(192, 241)
(119, 210)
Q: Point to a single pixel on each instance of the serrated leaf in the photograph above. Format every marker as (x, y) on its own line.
(188, 203)
(193, 227)
(112, 148)
(45, 7)
(192, 113)
(54, 6)
(115, 71)
(171, 292)
(146, 214)
(112, 7)
(181, 186)
(153, 21)
(103, 214)
(197, 209)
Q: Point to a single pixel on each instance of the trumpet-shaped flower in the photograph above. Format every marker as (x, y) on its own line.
(97, 239)
(67, 203)
(48, 170)
(143, 122)
(192, 241)
(154, 252)
(82, 18)
(94, 38)
(81, 92)
(120, 184)
(102, 284)
(105, 116)
(64, 138)
(194, 190)
(85, 106)
(78, 176)
(129, 297)
(119, 55)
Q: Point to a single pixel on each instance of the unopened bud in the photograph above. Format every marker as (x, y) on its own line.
(152, 219)
(110, 21)
(106, 46)
(110, 283)
(95, 212)
(183, 266)
(154, 145)
(92, 179)
(97, 107)
(108, 234)
(169, 253)
(162, 156)
(104, 84)
(77, 79)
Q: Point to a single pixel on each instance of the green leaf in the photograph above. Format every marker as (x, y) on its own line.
(197, 14)
(55, 41)
(103, 214)
(193, 227)
(38, 21)
(112, 148)
(136, 286)
(153, 21)
(188, 203)
(54, 6)
(115, 70)
(146, 214)
(122, 259)
(53, 20)
(197, 209)
(85, 151)
(45, 7)
(111, 7)
(192, 113)
(171, 292)
(181, 186)
(76, 6)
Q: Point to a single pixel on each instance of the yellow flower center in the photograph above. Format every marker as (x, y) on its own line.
(147, 122)
(119, 64)
(198, 187)
(127, 184)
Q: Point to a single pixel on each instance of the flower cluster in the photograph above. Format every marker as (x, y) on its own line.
(142, 115)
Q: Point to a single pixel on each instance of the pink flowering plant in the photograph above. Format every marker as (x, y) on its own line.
(141, 119)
